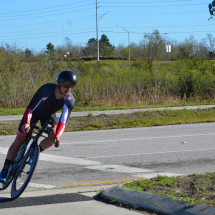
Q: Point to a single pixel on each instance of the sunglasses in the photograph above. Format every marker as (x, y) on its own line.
(68, 84)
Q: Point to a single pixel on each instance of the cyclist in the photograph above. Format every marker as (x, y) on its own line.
(45, 103)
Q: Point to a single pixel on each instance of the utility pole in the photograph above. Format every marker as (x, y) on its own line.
(97, 31)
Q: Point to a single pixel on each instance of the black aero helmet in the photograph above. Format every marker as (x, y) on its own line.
(67, 75)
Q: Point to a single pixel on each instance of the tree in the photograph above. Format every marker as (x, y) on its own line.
(188, 48)
(50, 49)
(202, 49)
(91, 47)
(28, 53)
(105, 48)
(209, 42)
(154, 45)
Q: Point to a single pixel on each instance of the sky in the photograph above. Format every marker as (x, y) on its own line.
(33, 24)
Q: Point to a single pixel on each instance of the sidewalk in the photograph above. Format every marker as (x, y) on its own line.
(77, 201)
(81, 200)
(58, 201)
(111, 112)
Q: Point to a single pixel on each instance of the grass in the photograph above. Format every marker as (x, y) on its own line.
(11, 111)
(195, 188)
(137, 119)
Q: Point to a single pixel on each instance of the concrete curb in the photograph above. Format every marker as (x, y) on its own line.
(156, 203)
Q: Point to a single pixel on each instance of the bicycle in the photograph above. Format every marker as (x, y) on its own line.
(22, 170)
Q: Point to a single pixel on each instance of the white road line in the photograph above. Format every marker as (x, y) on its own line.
(152, 153)
(96, 165)
(67, 160)
(142, 138)
(47, 186)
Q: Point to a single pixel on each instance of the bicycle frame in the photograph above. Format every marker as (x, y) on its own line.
(22, 151)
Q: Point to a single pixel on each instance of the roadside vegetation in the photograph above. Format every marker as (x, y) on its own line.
(138, 84)
(195, 188)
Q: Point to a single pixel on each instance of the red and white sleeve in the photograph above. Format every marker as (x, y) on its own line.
(60, 128)
(28, 115)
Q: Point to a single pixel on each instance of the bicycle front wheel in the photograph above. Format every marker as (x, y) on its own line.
(25, 171)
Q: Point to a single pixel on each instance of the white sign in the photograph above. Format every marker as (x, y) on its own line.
(168, 48)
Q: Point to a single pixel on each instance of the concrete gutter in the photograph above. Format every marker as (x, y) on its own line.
(111, 112)
(155, 203)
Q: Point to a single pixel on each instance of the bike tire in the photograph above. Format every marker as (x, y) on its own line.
(15, 191)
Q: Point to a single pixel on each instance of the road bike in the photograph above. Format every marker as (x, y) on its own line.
(26, 160)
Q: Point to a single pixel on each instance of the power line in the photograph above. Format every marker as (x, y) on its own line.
(68, 31)
(62, 20)
(44, 12)
(47, 15)
(156, 6)
(49, 33)
(112, 28)
(147, 2)
(171, 26)
(72, 33)
(127, 32)
(111, 15)
(46, 8)
(45, 27)
(158, 14)
(161, 33)
(180, 26)
(48, 36)
(85, 5)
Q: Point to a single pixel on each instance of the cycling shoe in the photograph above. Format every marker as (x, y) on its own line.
(3, 176)
(30, 161)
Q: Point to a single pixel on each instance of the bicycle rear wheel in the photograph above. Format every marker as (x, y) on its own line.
(25, 171)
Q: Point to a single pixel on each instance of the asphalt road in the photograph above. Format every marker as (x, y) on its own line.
(122, 154)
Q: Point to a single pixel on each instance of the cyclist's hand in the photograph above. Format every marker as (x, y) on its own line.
(57, 142)
(26, 127)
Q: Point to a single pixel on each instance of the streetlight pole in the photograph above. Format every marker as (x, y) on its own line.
(97, 31)
(97, 28)
(128, 39)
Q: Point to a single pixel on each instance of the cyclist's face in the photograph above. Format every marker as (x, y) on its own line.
(65, 90)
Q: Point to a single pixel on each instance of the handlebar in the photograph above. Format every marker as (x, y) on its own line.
(57, 144)
(46, 129)
(26, 130)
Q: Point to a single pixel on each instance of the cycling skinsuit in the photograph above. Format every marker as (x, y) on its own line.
(44, 106)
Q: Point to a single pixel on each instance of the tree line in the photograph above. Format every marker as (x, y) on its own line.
(150, 48)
